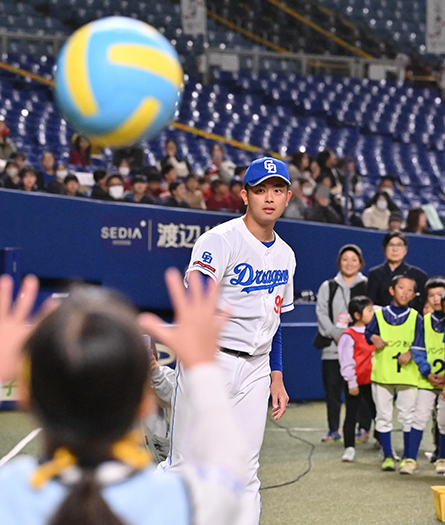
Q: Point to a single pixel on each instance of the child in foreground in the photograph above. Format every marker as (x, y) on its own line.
(430, 386)
(355, 356)
(396, 331)
(86, 378)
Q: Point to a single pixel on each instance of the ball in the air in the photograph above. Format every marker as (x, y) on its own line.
(118, 80)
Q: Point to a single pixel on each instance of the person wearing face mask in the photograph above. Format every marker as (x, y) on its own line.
(10, 176)
(307, 189)
(115, 186)
(123, 169)
(56, 185)
(7, 146)
(386, 185)
(377, 215)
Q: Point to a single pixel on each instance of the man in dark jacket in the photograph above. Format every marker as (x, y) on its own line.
(395, 246)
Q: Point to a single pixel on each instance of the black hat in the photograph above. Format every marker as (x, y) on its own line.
(396, 216)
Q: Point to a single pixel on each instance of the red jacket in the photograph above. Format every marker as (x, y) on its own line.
(362, 356)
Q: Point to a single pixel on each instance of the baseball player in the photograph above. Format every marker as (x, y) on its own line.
(255, 269)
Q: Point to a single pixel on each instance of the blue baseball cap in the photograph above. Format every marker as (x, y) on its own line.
(262, 169)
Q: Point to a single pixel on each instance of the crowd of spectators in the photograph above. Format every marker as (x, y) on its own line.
(317, 184)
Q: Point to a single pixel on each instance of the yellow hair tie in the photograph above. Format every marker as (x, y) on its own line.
(62, 460)
(130, 450)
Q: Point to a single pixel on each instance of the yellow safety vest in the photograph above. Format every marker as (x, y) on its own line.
(399, 338)
(435, 352)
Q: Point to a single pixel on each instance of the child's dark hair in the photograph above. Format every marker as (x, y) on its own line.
(437, 281)
(357, 305)
(88, 374)
(442, 300)
(397, 278)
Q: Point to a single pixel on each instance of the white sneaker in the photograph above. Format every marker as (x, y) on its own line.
(349, 454)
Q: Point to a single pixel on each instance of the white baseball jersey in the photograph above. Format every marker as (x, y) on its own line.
(256, 283)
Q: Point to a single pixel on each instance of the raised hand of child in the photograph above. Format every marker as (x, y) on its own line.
(13, 322)
(194, 335)
(354, 391)
(404, 358)
(378, 342)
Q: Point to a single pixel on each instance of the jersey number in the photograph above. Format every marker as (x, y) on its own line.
(441, 366)
(399, 366)
(278, 304)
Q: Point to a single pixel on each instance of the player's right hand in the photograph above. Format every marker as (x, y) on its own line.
(354, 391)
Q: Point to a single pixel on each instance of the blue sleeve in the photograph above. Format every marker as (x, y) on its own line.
(418, 351)
(205, 279)
(372, 328)
(276, 353)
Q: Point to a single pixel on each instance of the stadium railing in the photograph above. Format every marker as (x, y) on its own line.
(234, 59)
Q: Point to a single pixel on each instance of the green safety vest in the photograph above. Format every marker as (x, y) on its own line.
(435, 352)
(385, 367)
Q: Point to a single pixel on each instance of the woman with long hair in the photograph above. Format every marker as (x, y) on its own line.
(416, 221)
(81, 153)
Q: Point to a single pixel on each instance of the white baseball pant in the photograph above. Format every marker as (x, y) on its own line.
(248, 384)
(383, 396)
(426, 399)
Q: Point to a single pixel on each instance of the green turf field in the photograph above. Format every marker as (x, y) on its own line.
(334, 492)
(331, 493)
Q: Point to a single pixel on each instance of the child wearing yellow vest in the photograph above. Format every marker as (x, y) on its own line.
(430, 385)
(396, 332)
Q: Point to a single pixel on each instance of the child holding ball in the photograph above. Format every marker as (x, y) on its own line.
(355, 356)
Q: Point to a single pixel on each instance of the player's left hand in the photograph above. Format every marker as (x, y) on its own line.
(279, 395)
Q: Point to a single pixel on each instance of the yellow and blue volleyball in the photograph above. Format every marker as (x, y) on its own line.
(118, 81)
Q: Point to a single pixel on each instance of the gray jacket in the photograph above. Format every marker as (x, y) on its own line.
(339, 306)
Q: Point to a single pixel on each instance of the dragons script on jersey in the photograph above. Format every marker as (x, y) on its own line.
(256, 283)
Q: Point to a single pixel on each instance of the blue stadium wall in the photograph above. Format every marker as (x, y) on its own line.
(128, 247)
